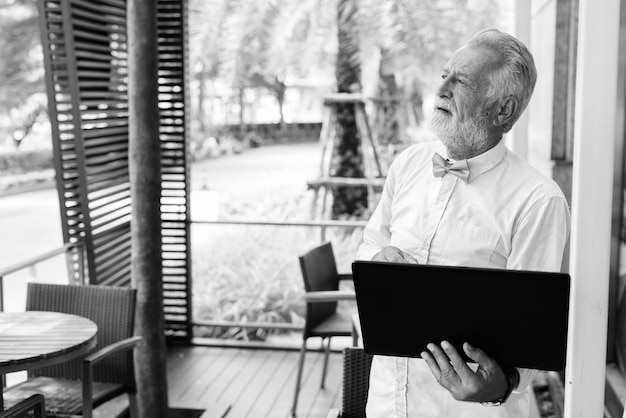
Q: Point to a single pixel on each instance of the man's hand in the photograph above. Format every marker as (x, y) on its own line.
(394, 255)
(487, 383)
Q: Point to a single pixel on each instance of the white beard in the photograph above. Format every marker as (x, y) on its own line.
(464, 138)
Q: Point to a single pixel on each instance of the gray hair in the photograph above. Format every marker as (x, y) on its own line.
(517, 74)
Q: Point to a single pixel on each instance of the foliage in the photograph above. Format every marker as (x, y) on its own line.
(236, 46)
(257, 44)
(21, 69)
(251, 273)
(25, 161)
(418, 36)
(263, 43)
(260, 42)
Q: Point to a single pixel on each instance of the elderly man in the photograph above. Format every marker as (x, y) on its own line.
(468, 201)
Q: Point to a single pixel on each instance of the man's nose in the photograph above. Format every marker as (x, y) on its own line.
(444, 89)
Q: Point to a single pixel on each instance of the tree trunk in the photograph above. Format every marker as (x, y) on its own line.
(387, 103)
(348, 200)
(242, 123)
(201, 98)
(280, 98)
(145, 186)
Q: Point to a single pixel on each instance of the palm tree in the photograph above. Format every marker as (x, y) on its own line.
(348, 200)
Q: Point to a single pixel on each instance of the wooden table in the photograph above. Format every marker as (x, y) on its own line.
(33, 339)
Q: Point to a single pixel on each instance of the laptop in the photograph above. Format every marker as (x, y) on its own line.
(518, 317)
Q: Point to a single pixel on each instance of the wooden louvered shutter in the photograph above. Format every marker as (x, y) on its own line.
(173, 52)
(85, 56)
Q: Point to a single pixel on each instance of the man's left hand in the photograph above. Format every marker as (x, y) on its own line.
(486, 384)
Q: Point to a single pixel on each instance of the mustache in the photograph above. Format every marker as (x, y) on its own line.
(444, 104)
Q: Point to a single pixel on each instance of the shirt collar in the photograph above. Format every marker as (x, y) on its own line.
(485, 161)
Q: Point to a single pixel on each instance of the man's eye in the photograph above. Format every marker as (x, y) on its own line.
(444, 76)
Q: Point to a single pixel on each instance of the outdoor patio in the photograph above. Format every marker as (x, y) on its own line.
(236, 382)
(245, 382)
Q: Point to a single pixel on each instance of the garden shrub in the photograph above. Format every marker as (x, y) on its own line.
(247, 273)
(20, 162)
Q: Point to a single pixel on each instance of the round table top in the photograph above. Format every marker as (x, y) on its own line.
(35, 339)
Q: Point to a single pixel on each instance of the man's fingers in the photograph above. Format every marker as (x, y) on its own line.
(460, 366)
(479, 356)
(399, 256)
(409, 258)
(448, 375)
(393, 255)
(432, 364)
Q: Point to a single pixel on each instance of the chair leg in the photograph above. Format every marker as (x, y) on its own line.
(327, 352)
(133, 409)
(298, 379)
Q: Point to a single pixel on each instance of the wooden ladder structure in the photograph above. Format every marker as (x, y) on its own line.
(373, 174)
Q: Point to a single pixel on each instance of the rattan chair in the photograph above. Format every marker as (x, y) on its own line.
(77, 386)
(35, 403)
(321, 282)
(356, 383)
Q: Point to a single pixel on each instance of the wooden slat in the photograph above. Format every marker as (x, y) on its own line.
(120, 278)
(102, 197)
(107, 180)
(251, 383)
(114, 261)
(98, 16)
(110, 8)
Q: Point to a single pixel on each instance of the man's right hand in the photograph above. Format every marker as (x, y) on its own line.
(394, 255)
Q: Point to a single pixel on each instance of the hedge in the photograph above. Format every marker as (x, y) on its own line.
(18, 162)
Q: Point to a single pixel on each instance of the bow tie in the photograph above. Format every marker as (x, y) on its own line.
(442, 166)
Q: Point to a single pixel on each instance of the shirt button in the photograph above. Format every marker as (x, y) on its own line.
(399, 386)
(424, 245)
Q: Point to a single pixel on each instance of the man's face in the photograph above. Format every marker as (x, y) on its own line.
(461, 118)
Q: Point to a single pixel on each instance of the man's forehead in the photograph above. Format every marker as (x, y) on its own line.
(470, 58)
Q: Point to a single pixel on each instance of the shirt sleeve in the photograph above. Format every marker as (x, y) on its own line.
(377, 233)
(538, 244)
(540, 237)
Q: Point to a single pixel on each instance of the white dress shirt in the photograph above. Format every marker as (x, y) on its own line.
(508, 215)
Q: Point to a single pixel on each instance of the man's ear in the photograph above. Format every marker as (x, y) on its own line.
(506, 111)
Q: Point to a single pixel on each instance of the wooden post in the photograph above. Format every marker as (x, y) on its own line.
(145, 179)
(594, 138)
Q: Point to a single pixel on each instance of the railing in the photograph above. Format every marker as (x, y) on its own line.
(33, 261)
(323, 225)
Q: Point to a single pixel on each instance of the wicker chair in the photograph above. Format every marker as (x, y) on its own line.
(356, 383)
(79, 385)
(321, 282)
(36, 404)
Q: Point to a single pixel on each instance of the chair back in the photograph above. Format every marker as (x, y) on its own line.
(112, 309)
(319, 271)
(356, 382)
